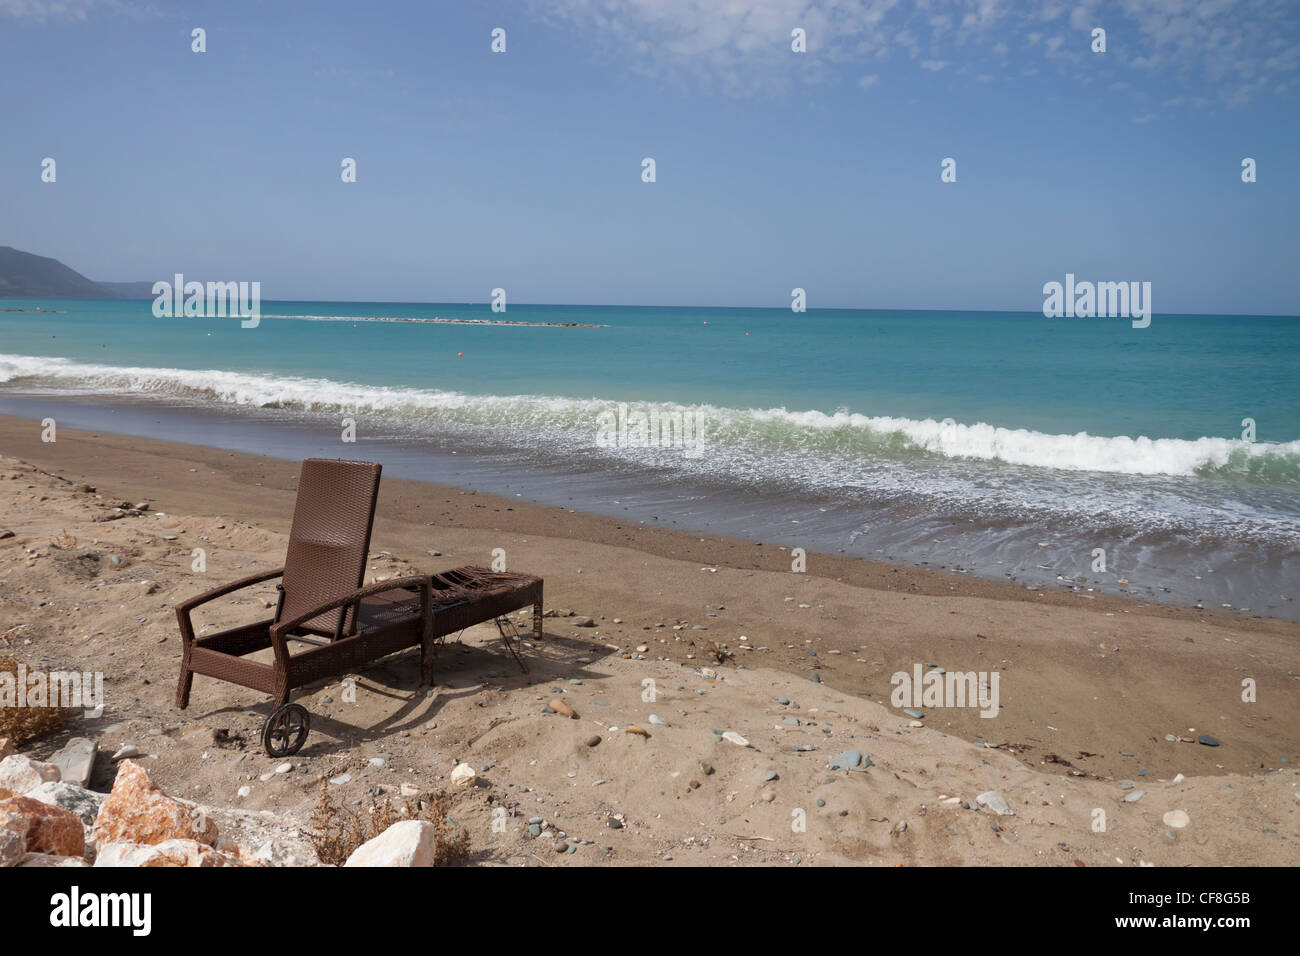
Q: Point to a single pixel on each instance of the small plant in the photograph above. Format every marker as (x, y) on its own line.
(338, 831)
(21, 724)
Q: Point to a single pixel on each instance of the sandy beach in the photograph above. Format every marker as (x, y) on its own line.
(1092, 687)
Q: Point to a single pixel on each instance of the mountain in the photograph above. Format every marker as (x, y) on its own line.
(129, 290)
(27, 276)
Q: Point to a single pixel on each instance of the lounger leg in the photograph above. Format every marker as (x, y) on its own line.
(183, 687)
(537, 621)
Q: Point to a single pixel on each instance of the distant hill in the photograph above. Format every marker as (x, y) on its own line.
(27, 276)
(130, 290)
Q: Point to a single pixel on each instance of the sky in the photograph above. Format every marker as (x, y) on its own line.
(774, 169)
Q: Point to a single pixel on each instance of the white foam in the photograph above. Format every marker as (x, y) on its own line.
(838, 433)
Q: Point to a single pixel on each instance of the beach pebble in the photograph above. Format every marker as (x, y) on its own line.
(994, 801)
(593, 740)
(284, 767)
(851, 760)
(341, 779)
(463, 776)
(127, 751)
(1207, 740)
(913, 713)
(658, 721)
(732, 737)
(1135, 796)
(1176, 819)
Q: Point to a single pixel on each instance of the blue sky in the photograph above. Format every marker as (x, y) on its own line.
(774, 169)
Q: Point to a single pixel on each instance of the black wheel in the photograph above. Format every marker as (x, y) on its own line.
(285, 731)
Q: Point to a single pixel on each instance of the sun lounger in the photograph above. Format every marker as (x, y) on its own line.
(324, 606)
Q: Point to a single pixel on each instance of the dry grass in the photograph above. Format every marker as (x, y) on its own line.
(337, 831)
(21, 724)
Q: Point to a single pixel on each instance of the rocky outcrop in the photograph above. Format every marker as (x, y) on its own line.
(50, 829)
(78, 800)
(166, 853)
(136, 811)
(19, 774)
(13, 837)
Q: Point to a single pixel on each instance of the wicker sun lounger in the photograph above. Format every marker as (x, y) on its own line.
(323, 605)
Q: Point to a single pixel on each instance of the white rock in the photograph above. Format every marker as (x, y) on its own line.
(20, 774)
(735, 738)
(1179, 778)
(463, 775)
(340, 779)
(408, 843)
(284, 767)
(995, 802)
(75, 760)
(243, 791)
(127, 751)
(1176, 819)
(410, 790)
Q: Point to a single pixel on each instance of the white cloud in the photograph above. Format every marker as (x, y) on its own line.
(42, 10)
(867, 82)
(1219, 48)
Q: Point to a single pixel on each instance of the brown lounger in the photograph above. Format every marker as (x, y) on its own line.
(324, 606)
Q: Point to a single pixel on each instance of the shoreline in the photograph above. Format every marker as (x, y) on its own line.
(1245, 578)
(854, 621)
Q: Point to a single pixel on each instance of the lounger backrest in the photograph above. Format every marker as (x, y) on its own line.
(330, 539)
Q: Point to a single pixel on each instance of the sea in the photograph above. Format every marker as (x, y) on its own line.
(1059, 453)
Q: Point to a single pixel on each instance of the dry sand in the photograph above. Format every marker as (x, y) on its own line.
(1089, 686)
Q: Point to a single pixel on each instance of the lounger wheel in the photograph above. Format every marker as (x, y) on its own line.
(285, 731)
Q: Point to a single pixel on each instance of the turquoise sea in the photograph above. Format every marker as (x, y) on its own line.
(997, 443)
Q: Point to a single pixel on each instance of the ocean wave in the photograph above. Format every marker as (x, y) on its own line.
(531, 418)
